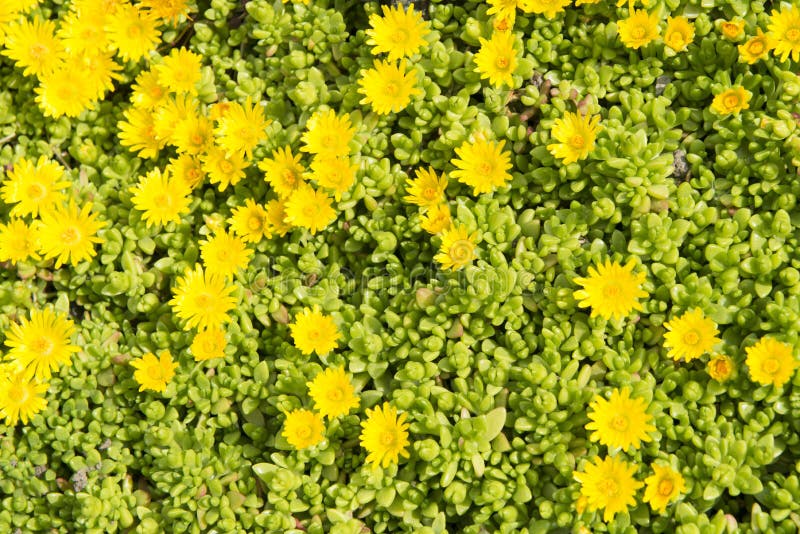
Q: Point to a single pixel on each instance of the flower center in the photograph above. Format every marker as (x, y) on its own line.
(792, 34)
(675, 39)
(163, 200)
(691, 338)
(210, 346)
(391, 89)
(638, 32)
(429, 193)
(154, 372)
(665, 487)
(770, 366)
(70, 235)
(756, 48)
(608, 487)
(619, 423)
(502, 63)
(335, 395)
(288, 177)
(731, 101)
(36, 191)
(38, 50)
(611, 291)
(222, 255)
(196, 139)
(721, 368)
(387, 439)
(461, 251)
(203, 300)
(730, 30)
(225, 166)
(577, 141)
(42, 346)
(17, 394)
(255, 223)
(134, 31)
(485, 168)
(400, 36)
(304, 432)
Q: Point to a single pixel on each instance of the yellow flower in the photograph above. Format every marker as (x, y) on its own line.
(18, 241)
(250, 222)
(83, 32)
(755, 48)
(784, 27)
(690, 336)
(311, 209)
(208, 344)
(34, 188)
(276, 217)
(639, 29)
(731, 100)
(663, 487)
(171, 113)
(180, 71)
(154, 373)
(283, 171)
(328, 135)
(503, 24)
(384, 435)
(732, 29)
(427, 189)
(608, 485)
(336, 174)
(169, 11)
(132, 32)
(188, 169)
(193, 135)
(61, 93)
(437, 219)
(161, 198)
(504, 9)
(721, 367)
(398, 32)
(457, 249)
(242, 128)
(202, 300)
(622, 421)
(387, 87)
(549, 8)
(771, 362)
(497, 59)
(332, 393)
(69, 234)
(224, 254)
(303, 429)
(98, 72)
(138, 133)
(482, 165)
(147, 92)
(611, 289)
(679, 33)
(42, 344)
(224, 168)
(20, 398)
(313, 331)
(33, 46)
(575, 135)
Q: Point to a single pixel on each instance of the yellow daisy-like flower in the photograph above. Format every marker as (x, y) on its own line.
(576, 135)
(179, 72)
(132, 32)
(427, 189)
(328, 135)
(208, 344)
(33, 46)
(154, 373)
(224, 254)
(82, 32)
(437, 219)
(548, 8)
(60, 93)
(679, 33)
(400, 33)
(202, 300)
(276, 217)
(169, 11)
(148, 93)
(313, 331)
(303, 429)
(387, 87)
(755, 48)
(311, 209)
(161, 198)
(482, 165)
(504, 9)
(732, 29)
(21, 398)
(42, 344)
(497, 59)
(621, 421)
(69, 234)
(721, 367)
(771, 362)
(731, 100)
(384, 435)
(18, 241)
(138, 133)
(193, 135)
(224, 168)
(663, 487)
(639, 29)
(283, 171)
(98, 72)
(173, 111)
(457, 249)
(784, 27)
(336, 174)
(34, 188)
(250, 222)
(611, 289)
(608, 485)
(332, 392)
(690, 336)
(242, 128)
(188, 169)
